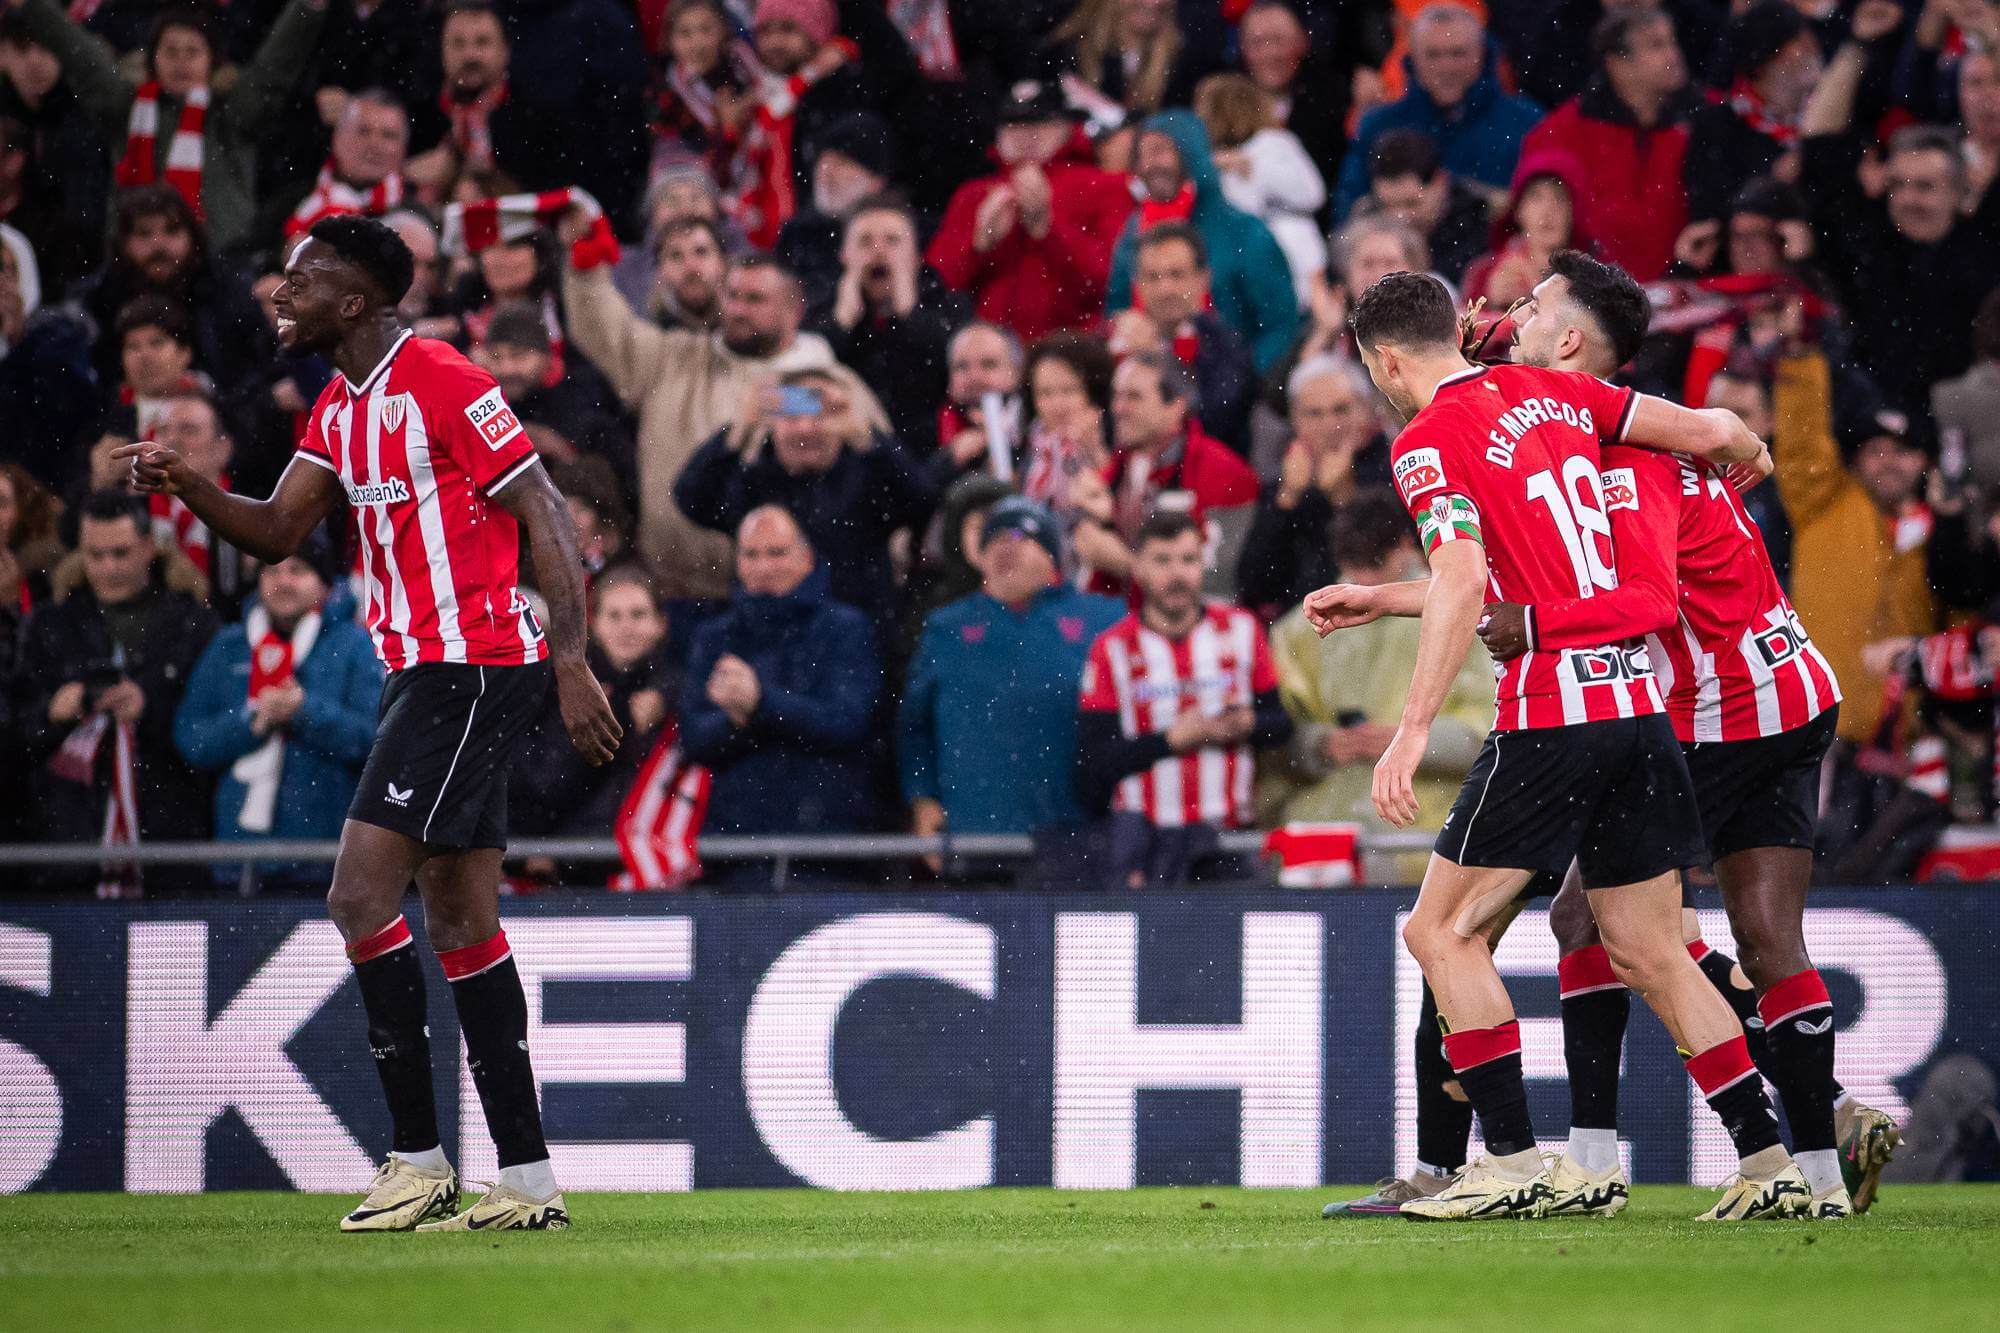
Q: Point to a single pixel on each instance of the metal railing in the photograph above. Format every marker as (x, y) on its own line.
(782, 852)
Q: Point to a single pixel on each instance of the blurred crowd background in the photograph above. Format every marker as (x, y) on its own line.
(955, 398)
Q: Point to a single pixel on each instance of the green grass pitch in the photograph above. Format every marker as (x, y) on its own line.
(1927, 1257)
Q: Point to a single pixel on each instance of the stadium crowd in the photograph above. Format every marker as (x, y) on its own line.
(955, 398)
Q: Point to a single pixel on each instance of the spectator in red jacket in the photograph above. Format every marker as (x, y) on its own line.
(1163, 460)
(1032, 242)
(1630, 125)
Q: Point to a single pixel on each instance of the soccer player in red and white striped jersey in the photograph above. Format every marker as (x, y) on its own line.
(441, 480)
(1753, 704)
(1176, 696)
(1501, 470)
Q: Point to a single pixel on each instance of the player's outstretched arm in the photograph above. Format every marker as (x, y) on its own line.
(539, 508)
(268, 529)
(1345, 605)
(1713, 433)
(1452, 608)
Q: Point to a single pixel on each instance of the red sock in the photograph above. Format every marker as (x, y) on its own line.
(473, 959)
(1585, 970)
(1476, 1046)
(1698, 950)
(391, 937)
(1795, 995)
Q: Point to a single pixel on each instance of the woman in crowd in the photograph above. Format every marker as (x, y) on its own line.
(1540, 219)
(1068, 379)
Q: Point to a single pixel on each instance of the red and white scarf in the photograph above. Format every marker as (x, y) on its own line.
(174, 522)
(470, 228)
(274, 661)
(1749, 107)
(926, 26)
(472, 125)
(184, 151)
(332, 197)
(661, 818)
(76, 761)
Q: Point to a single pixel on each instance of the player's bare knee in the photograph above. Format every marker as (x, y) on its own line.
(1572, 922)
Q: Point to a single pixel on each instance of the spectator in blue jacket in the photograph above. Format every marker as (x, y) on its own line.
(988, 725)
(849, 488)
(1455, 97)
(1250, 280)
(779, 691)
(284, 705)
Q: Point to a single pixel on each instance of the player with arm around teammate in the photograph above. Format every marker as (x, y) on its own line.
(441, 479)
(1753, 704)
(1500, 469)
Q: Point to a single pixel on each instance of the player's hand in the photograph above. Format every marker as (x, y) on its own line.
(1744, 476)
(586, 713)
(1504, 630)
(1394, 787)
(156, 469)
(1340, 606)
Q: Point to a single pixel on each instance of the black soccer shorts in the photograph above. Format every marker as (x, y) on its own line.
(446, 736)
(1762, 792)
(1613, 796)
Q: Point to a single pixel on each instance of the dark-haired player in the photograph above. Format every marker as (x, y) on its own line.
(1753, 704)
(441, 478)
(1500, 469)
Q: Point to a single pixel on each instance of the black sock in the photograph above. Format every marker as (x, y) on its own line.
(392, 990)
(1595, 1006)
(1488, 1061)
(1798, 1040)
(1720, 969)
(1443, 1121)
(1730, 1083)
(493, 1013)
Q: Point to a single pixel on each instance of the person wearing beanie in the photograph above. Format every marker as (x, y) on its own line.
(988, 725)
(281, 708)
(853, 159)
(814, 75)
(1750, 125)
(563, 394)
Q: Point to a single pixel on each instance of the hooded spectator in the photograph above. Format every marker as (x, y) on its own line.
(1456, 97)
(1250, 280)
(1031, 243)
(1538, 221)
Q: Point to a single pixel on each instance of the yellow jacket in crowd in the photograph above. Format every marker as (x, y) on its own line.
(1850, 583)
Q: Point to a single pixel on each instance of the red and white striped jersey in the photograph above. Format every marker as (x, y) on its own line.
(1729, 650)
(1508, 456)
(422, 445)
(1149, 680)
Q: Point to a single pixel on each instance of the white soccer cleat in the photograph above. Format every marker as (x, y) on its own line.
(1743, 1200)
(1580, 1193)
(502, 1209)
(1477, 1193)
(1868, 1139)
(1831, 1206)
(402, 1196)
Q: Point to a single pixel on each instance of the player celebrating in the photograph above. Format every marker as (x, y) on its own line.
(441, 478)
(1753, 704)
(1500, 469)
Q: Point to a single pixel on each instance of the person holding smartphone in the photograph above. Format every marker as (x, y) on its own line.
(809, 451)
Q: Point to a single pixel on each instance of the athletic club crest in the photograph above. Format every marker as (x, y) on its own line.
(271, 658)
(1071, 627)
(392, 412)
